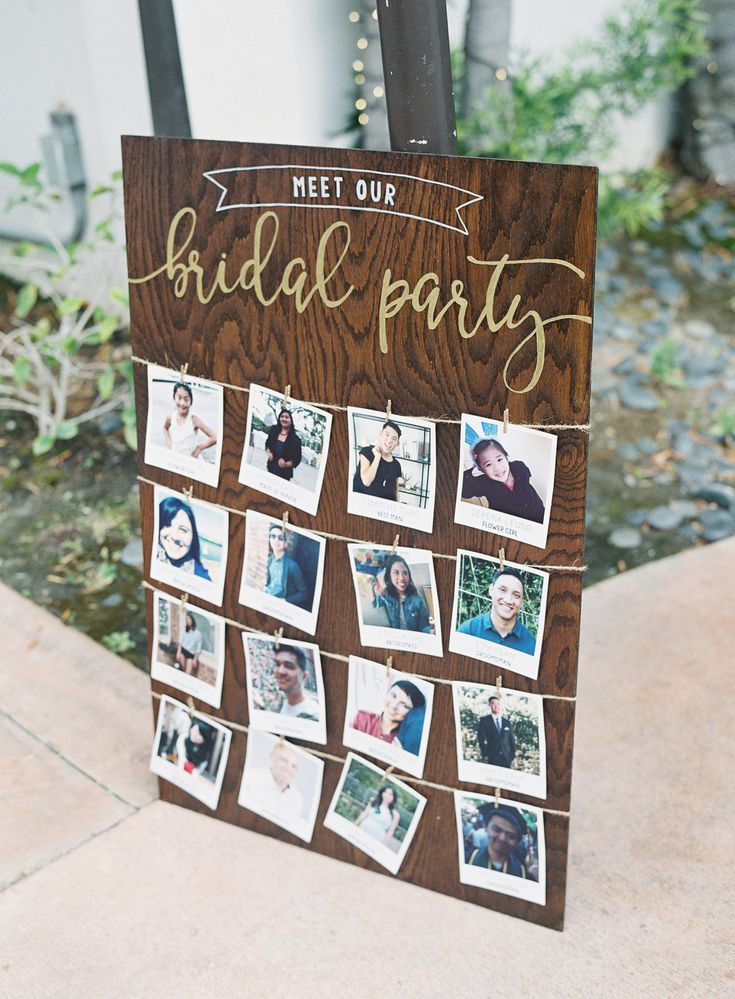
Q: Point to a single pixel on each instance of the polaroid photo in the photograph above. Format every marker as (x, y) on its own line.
(388, 714)
(190, 540)
(190, 750)
(282, 783)
(285, 687)
(185, 425)
(283, 571)
(500, 738)
(392, 468)
(377, 814)
(188, 648)
(286, 448)
(498, 615)
(501, 846)
(506, 480)
(397, 598)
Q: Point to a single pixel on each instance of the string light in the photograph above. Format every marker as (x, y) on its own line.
(358, 65)
(361, 104)
(362, 43)
(375, 15)
(360, 79)
(501, 74)
(378, 91)
(353, 16)
(363, 119)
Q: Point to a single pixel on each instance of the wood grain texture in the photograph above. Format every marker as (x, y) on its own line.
(333, 357)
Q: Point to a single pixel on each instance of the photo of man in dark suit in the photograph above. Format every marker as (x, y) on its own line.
(495, 736)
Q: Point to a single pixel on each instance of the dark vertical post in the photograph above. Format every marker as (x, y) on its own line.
(163, 65)
(414, 40)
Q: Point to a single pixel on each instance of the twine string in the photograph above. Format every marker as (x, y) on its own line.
(235, 726)
(583, 427)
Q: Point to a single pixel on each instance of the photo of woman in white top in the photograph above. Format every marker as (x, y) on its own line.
(181, 428)
(380, 817)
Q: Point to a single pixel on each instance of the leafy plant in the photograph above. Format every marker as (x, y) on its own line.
(724, 425)
(665, 366)
(568, 111)
(58, 359)
(118, 642)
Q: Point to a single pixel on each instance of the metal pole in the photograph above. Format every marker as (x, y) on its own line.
(163, 64)
(414, 40)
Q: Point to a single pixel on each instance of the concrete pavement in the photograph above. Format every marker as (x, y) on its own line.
(112, 893)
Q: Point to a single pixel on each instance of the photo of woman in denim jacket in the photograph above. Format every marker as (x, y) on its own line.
(405, 607)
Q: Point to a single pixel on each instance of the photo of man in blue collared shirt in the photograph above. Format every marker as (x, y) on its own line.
(500, 624)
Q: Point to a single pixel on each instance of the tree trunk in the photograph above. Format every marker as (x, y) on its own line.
(487, 41)
(708, 101)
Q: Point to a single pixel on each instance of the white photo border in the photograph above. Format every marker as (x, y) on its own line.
(490, 775)
(303, 828)
(493, 652)
(177, 776)
(261, 719)
(177, 678)
(284, 490)
(505, 525)
(381, 637)
(278, 607)
(211, 590)
(497, 881)
(387, 752)
(182, 464)
(380, 853)
(391, 511)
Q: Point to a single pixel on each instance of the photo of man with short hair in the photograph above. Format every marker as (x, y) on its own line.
(291, 675)
(495, 736)
(499, 612)
(285, 687)
(378, 471)
(501, 624)
(501, 846)
(282, 783)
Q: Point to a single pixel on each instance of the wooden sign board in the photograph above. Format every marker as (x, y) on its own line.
(448, 286)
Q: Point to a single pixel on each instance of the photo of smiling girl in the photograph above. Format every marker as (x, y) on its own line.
(190, 543)
(506, 479)
(388, 714)
(184, 426)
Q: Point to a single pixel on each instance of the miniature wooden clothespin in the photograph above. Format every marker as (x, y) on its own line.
(183, 371)
(389, 409)
(501, 556)
(390, 770)
(388, 665)
(395, 544)
(282, 741)
(505, 421)
(287, 397)
(499, 686)
(184, 600)
(190, 705)
(188, 491)
(497, 797)
(279, 635)
(284, 521)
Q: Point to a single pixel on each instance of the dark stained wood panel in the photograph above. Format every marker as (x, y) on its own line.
(333, 356)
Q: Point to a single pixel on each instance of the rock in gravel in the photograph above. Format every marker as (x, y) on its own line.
(628, 451)
(700, 329)
(716, 524)
(719, 493)
(637, 397)
(132, 553)
(636, 517)
(664, 518)
(625, 537)
(687, 508)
